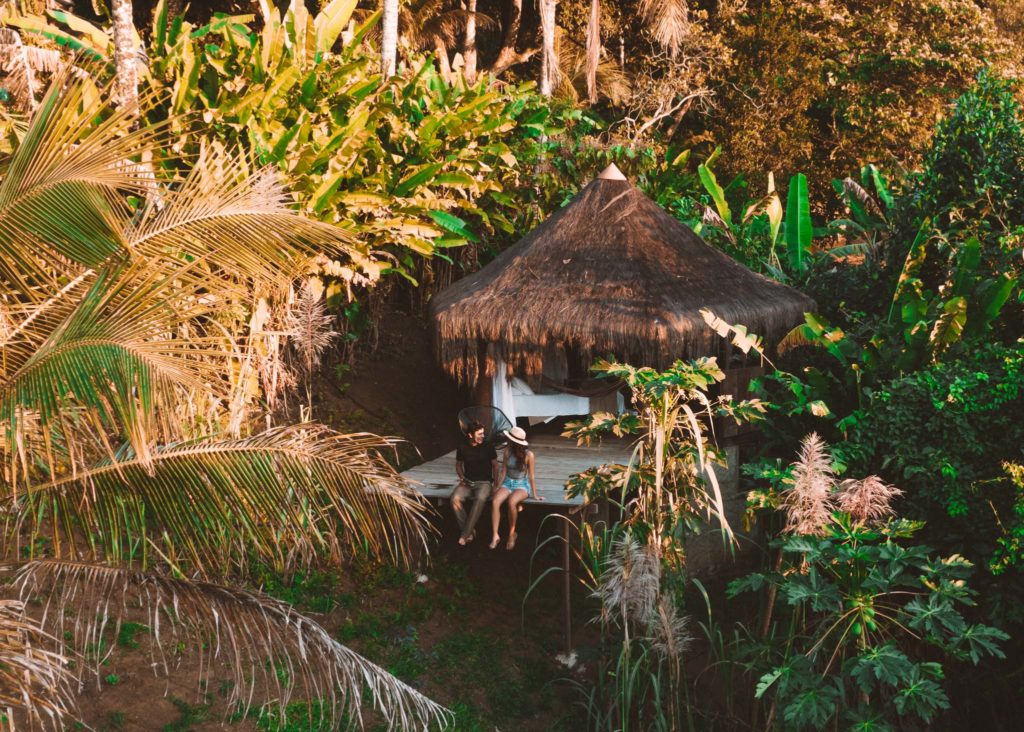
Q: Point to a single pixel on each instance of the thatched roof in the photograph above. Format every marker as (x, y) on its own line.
(610, 273)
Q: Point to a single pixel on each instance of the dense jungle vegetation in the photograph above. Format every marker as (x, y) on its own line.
(208, 211)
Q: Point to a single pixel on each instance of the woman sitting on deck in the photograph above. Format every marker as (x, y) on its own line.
(515, 482)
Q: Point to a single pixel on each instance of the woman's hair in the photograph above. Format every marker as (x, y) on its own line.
(520, 452)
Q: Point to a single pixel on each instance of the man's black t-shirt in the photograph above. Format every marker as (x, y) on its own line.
(476, 460)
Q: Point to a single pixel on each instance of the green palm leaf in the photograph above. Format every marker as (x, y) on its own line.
(116, 351)
(285, 496)
(236, 221)
(60, 208)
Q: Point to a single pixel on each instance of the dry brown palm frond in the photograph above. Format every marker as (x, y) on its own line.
(310, 324)
(36, 685)
(613, 83)
(867, 499)
(629, 583)
(668, 630)
(435, 21)
(288, 496)
(236, 220)
(256, 638)
(809, 502)
(668, 21)
(22, 63)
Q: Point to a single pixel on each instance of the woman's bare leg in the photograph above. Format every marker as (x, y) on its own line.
(513, 513)
(499, 498)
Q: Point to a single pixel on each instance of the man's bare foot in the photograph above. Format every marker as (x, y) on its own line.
(494, 541)
(463, 540)
(511, 541)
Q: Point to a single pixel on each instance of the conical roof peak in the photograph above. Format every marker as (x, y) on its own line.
(612, 172)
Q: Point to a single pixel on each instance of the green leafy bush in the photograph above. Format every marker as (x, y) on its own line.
(859, 620)
(973, 172)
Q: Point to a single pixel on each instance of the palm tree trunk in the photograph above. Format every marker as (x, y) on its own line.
(469, 48)
(511, 36)
(593, 49)
(442, 59)
(389, 38)
(548, 59)
(124, 56)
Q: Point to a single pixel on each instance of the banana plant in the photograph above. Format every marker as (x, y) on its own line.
(965, 306)
(798, 231)
(869, 203)
(414, 165)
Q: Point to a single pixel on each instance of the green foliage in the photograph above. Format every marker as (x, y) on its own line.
(973, 173)
(859, 619)
(313, 590)
(127, 632)
(798, 231)
(337, 130)
(943, 433)
(670, 481)
(191, 715)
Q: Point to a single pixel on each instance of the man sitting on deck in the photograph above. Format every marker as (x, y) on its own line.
(476, 464)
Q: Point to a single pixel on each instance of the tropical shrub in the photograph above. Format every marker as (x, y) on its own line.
(972, 174)
(670, 483)
(945, 433)
(636, 567)
(412, 165)
(858, 621)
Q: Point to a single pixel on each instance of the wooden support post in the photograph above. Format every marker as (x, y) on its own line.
(567, 583)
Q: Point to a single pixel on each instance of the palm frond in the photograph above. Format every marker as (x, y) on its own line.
(256, 638)
(116, 350)
(448, 27)
(237, 221)
(36, 686)
(668, 21)
(22, 63)
(286, 496)
(58, 210)
(612, 82)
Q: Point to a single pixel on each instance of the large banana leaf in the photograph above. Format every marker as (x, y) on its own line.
(798, 230)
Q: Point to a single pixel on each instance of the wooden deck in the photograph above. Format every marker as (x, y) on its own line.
(557, 459)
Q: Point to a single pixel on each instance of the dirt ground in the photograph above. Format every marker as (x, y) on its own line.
(469, 636)
(398, 390)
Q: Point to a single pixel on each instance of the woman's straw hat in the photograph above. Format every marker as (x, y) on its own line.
(517, 435)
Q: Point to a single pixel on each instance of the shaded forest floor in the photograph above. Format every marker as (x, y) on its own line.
(463, 636)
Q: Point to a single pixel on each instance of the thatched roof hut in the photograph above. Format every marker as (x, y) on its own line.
(610, 273)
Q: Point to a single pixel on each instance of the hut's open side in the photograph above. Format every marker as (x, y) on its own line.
(611, 273)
